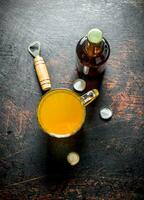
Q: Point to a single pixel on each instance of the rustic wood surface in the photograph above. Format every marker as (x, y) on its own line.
(32, 165)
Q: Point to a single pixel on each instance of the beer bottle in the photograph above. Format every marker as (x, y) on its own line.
(92, 52)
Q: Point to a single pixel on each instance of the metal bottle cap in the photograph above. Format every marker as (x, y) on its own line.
(95, 35)
(73, 158)
(106, 113)
(79, 85)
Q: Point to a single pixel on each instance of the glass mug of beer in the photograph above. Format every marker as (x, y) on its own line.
(61, 112)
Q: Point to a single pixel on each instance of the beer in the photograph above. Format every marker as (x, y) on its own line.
(61, 112)
(92, 52)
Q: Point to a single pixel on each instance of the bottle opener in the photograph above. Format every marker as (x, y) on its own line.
(40, 66)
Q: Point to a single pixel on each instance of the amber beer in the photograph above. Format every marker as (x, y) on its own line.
(92, 52)
(61, 112)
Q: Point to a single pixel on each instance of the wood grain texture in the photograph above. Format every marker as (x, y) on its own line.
(42, 73)
(33, 165)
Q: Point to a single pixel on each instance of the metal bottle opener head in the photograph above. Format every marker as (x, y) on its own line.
(34, 48)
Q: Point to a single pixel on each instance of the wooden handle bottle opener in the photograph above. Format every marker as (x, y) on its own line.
(40, 66)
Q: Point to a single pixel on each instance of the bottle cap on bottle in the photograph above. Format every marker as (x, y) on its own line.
(95, 35)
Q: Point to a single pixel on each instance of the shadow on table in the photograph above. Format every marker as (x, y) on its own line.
(93, 82)
(58, 168)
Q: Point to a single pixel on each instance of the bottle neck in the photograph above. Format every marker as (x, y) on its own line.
(93, 50)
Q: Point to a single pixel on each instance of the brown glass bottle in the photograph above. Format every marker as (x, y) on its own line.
(92, 52)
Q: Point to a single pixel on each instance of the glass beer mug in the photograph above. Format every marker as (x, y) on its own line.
(61, 112)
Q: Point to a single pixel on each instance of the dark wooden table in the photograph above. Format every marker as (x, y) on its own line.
(33, 165)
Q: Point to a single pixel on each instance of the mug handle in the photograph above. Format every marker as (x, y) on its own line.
(88, 97)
